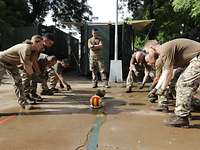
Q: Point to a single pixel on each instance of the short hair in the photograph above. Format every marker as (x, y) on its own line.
(36, 38)
(51, 58)
(49, 36)
(94, 30)
(151, 43)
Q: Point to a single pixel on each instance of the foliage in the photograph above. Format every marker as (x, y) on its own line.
(16, 13)
(12, 14)
(190, 6)
(174, 19)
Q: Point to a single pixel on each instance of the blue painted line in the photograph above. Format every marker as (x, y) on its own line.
(94, 133)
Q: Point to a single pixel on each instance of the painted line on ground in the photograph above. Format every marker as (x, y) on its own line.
(5, 120)
(94, 133)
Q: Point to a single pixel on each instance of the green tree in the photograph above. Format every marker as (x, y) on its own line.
(169, 24)
(190, 6)
(13, 13)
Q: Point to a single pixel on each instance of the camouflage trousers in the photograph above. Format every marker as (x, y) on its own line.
(162, 100)
(97, 65)
(53, 78)
(26, 81)
(186, 87)
(133, 77)
(14, 72)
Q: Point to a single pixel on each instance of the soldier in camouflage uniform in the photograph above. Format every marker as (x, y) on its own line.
(137, 66)
(29, 81)
(56, 75)
(173, 54)
(96, 60)
(20, 55)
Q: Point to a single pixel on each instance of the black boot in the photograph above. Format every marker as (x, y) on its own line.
(94, 84)
(177, 121)
(129, 89)
(69, 87)
(152, 98)
(25, 105)
(105, 84)
(30, 100)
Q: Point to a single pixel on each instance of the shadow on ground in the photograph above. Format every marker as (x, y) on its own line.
(76, 102)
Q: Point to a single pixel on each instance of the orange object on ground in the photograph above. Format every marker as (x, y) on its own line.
(95, 101)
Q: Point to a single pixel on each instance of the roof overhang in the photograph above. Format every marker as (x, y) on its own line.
(140, 24)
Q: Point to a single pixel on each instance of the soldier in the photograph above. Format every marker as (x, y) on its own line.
(178, 53)
(96, 60)
(137, 65)
(48, 41)
(56, 75)
(45, 63)
(20, 54)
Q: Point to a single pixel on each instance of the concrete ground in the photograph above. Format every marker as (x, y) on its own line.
(65, 122)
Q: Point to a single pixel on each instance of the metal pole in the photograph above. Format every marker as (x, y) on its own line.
(116, 32)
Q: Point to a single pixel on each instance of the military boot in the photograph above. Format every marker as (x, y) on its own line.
(105, 84)
(177, 121)
(129, 89)
(94, 84)
(25, 105)
(69, 87)
(37, 97)
(30, 100)
(152, 98)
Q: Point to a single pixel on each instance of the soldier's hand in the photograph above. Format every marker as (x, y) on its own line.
(160, 92)
(152, 92)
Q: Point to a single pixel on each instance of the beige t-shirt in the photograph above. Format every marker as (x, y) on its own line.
(178, 53)
(94, 41)
(18, 54)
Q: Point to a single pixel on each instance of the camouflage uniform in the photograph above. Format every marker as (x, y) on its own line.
(10, 58)
(53, 78)
(138, 70)
(96, 61)
(186, 87)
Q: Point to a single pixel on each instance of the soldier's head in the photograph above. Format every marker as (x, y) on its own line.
(151, 46)
(139, 56)
(151, 58)
(52, 60)
(65, 63)
(37, 42)
(48, 40)
(94, 32)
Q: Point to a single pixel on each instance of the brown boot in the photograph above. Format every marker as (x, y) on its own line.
(177, 121)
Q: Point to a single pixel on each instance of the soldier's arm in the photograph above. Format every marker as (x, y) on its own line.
(35, 63)
(90, 45)
(146, 74)
(132, 63)
(165, 78)
(25, 57)
(98, 46)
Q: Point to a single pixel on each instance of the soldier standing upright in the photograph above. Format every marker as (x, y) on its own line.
(96, 60)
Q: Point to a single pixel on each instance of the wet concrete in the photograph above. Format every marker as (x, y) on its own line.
(65, 122)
